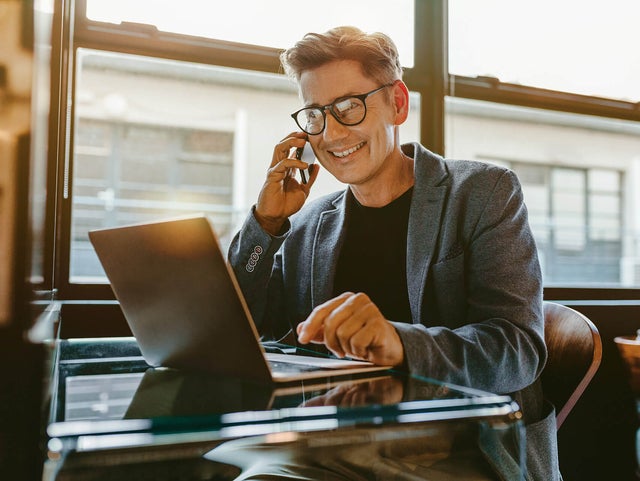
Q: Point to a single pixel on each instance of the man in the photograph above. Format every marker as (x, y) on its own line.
(422, 263)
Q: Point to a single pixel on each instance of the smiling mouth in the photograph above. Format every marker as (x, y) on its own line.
(344, 153)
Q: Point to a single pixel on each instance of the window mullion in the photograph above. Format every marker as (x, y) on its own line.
(147, 40)
(430, 72)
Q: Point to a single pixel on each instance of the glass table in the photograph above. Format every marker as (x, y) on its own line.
(113, 417)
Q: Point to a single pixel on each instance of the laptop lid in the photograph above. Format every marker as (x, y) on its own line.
(178, 296)
(183, 304)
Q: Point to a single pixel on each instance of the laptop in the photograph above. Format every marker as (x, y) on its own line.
(185, 308)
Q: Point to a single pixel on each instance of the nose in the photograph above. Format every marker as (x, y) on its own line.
(334, 130)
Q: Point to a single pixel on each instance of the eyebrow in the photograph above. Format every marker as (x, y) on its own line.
(309, 106)
(352, 94)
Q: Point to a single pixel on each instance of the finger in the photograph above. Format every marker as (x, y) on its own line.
(373, 328)
(295, 135)
(361, 342)
(284, 169)
(378, 342)
(341, 323)
(340, 329)
(306, 187)
(354, 396)
(346, 321)
(314, 324)
(345, 332)
(335, 397)
(312, 329)
(283, 148)
(315, 401)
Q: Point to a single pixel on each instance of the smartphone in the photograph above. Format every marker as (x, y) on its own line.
(305, 154)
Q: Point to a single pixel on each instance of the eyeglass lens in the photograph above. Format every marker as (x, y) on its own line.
(349, 111)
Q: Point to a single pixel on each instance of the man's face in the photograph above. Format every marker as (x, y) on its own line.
(355, 155)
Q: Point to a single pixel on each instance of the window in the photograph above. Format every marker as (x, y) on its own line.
(170, 114)
(577, 176)
(155, 137)
(276, 24)
(572, 45)
(523, 92)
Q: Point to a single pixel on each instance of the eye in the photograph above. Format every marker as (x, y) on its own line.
(313, 114)
(344, 106)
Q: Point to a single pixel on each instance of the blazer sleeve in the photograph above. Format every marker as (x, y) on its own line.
(255, 259)
(498, 342)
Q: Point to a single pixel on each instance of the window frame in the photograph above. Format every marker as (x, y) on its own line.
(429, 77)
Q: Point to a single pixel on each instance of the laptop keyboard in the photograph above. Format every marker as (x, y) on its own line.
(280, 366)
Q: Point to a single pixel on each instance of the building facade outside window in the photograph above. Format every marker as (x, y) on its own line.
(181, 121)
(580, 177)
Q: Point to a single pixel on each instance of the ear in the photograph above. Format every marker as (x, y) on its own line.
(400, 101)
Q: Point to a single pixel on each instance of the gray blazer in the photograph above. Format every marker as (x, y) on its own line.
(473, 276)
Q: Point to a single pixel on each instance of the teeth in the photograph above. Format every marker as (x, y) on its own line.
(349, 151)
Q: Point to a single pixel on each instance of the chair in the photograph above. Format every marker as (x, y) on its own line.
(574, 354)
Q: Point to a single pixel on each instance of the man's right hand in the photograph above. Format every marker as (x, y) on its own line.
(282, 195)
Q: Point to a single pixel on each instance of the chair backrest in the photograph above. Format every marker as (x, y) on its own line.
(574, 354)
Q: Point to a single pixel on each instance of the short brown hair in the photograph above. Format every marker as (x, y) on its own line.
(376, 52)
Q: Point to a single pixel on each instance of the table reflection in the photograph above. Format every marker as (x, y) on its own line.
(385, 390)
(439, 452)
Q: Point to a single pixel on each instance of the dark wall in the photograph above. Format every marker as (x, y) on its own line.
(597, 441)
(22, 380)
(85, 319)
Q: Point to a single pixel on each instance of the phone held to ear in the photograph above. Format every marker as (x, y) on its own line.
(305, 154)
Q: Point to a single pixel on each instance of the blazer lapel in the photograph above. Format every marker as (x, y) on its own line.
(328, 239)
(425, 219)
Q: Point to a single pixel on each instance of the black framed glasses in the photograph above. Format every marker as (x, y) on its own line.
(349, 110)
